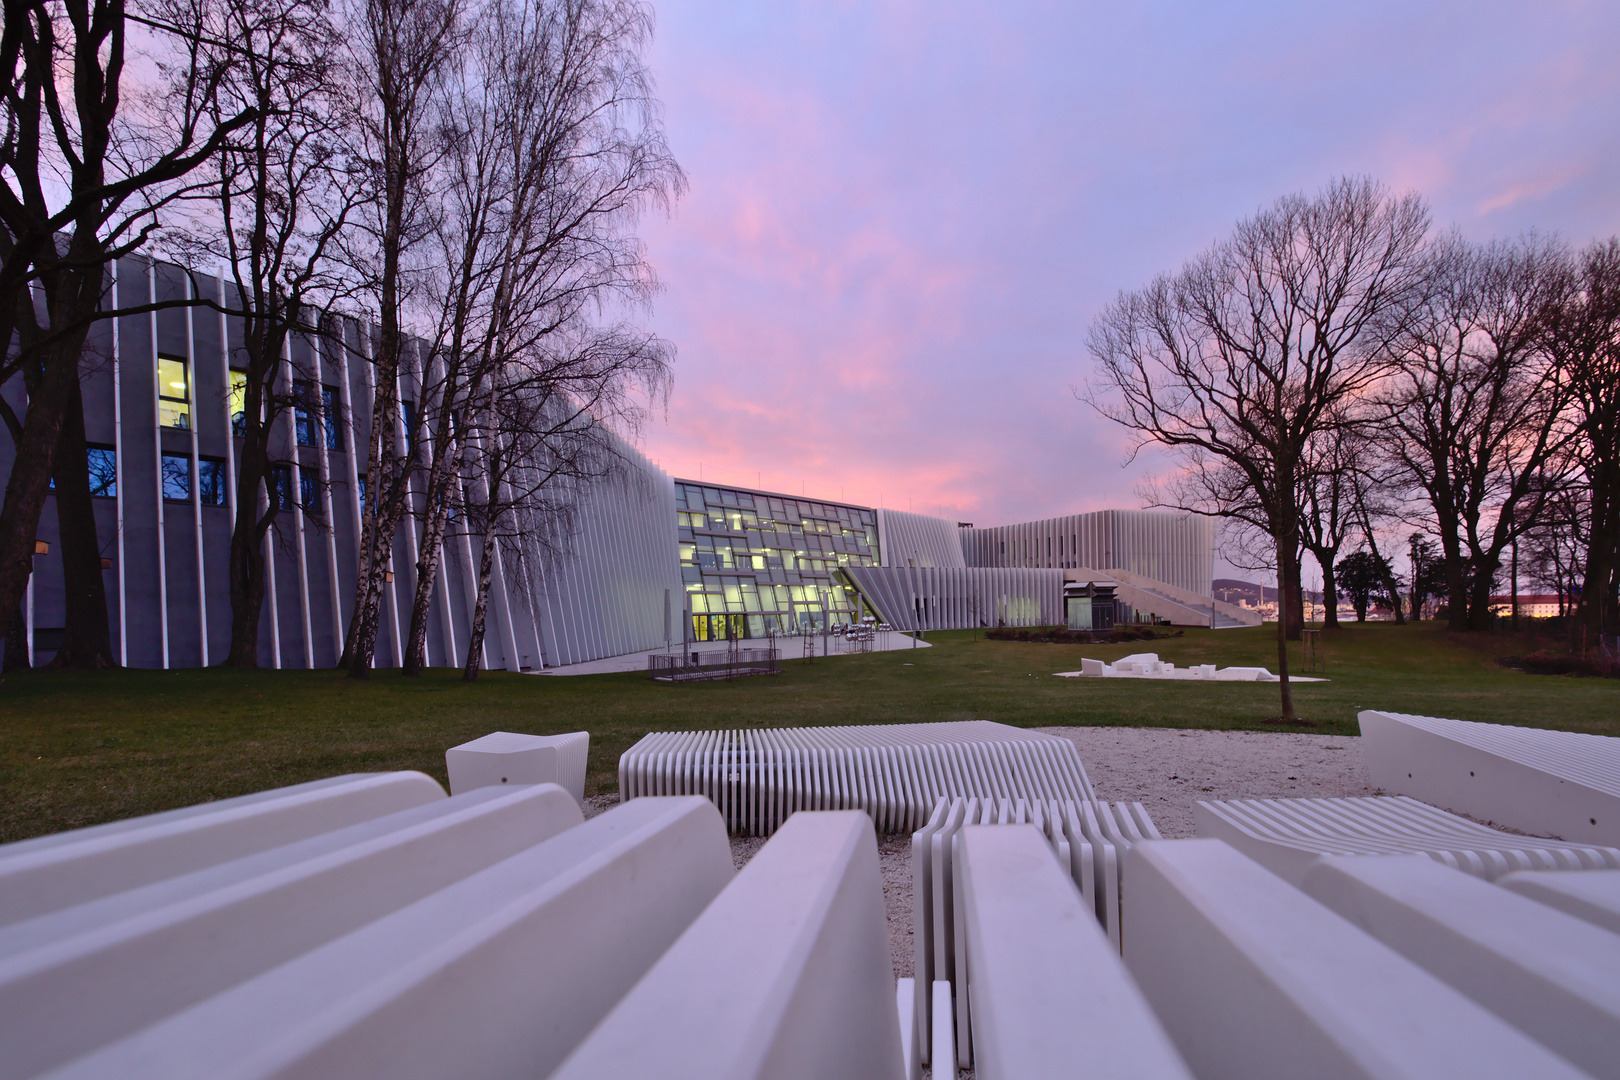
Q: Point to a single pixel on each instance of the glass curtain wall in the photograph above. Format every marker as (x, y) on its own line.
(755, 563)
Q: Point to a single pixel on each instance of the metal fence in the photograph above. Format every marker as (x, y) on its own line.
(730, 664)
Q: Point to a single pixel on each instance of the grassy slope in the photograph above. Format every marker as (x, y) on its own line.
(84, 748)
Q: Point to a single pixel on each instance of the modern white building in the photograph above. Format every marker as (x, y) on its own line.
(646, 560)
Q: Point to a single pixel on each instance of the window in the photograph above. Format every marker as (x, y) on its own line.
(176, 478)
(211, 481)
(281, 496)
(238, 403)
(407, 412)
(307, 491)
(306, 422)
(174, 393)
(361, 481)
(103, 472)
(330, 418)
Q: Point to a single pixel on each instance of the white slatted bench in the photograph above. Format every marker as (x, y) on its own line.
(785, 976)
(83, 976)
(498, 975)
(1548, 783)
(1593, 896)
(1287, 835)
(896, 773)
(53, 872)
(1050, 995)
(1254, 979)
(1549, 974)
(1088, 840)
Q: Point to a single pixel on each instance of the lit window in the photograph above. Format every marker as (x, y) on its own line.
(211, 481)
(238, 403)
(176, 478)
(174, 393)
(103, 472)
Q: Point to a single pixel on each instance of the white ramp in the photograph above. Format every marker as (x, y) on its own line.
(504, 757)
(1255, 980)
(498, 975)
(1287, 835)
(1547, 783)
(52, 872)
(81, 977)
(786, 975)
(897, 773)
(1050, 996)
(1549, 974)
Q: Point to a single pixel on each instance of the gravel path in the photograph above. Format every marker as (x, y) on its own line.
(1164, 769)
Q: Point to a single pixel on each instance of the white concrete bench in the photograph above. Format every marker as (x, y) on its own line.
(1593, 895)
(1551, 975)
(1287, 835)
(504, 757)
(53, 872)
(498, 975)
(1050, 996)
(1254, 979)
(1548, 783)
(896, 773)
(786, 975)
(83, 976)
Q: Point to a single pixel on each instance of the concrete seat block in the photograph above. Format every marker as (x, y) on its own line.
(1049, 993)
(1253, 979)
(1553, 976)
(53, 872)
(80, 978)
(498, 975)
(786, 975)
(504, 757)
(1593, 895)
(1562, 784)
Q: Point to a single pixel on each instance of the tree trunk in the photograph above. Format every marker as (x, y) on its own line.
(1594, 614)
(475, 640)
(1282, 639)
(247, 567)
(1330, 591)
(431, 553)
(1479, 591)
(87, 641)
(1290, 594)
(16, 658)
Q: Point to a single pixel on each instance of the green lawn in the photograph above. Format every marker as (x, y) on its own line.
(85, 748)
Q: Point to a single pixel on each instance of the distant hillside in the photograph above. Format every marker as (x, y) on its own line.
(1234, 591)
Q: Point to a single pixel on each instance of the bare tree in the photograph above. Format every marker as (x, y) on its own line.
(1328, 502)
(85, 175)
(1475, 409)
(284, 190)
(1244, 356)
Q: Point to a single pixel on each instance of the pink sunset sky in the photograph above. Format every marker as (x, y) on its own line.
(902, 217)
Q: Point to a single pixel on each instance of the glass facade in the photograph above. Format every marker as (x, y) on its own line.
(755, 563)
(174, 393)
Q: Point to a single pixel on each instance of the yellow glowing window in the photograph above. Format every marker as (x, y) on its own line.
(174, 393)
(238, 402)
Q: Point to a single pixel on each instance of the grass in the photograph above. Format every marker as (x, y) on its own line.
(82, 748)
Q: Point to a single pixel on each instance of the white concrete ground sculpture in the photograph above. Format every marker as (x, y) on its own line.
(503, 757)
(1149, 666)
(896, 773)
(1287, 836)
(1550, 783)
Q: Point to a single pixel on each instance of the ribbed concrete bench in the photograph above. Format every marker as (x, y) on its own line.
(501, 973)
(786, 975)
(1287, 835)
(1593, 896)
(1050, 996)
(1549, 974)
(504, 757)
(1087, 839)
(54, 872)
(1253, 978)
(896, 773)
(1548, 783)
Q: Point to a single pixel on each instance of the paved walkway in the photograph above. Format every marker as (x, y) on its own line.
(791, 648)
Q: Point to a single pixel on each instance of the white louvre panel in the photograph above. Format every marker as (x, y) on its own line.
(500, 973)
(918, 540)
(1551, 975)
(896, 773)
(84, 976)
(911, 598)
(1088, 839)
(786, 975)
(1050, 994)
(1253, 978)
(1287, 835)
(1167, 546)
(1553, 783)
(53, 872)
